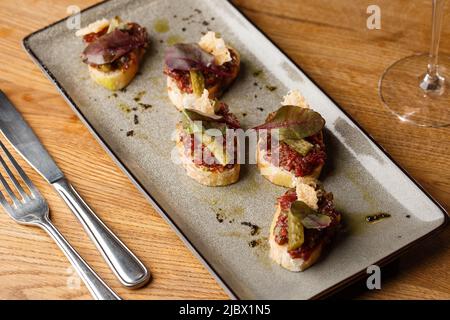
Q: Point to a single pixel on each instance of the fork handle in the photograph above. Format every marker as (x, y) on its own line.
(125, 265)
(96, 286)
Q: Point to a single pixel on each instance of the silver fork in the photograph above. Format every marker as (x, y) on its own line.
(32, 209)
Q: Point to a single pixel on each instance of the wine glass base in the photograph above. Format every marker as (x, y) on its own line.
(400, 91)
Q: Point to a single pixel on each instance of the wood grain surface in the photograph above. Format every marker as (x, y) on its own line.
(328, 39)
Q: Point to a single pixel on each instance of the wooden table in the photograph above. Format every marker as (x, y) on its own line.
(329, 39)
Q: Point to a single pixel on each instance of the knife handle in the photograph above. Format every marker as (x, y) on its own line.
(125, 265)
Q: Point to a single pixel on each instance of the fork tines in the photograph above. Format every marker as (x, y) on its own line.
(24, 195)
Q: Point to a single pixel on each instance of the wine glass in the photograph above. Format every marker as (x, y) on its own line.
(417, 88)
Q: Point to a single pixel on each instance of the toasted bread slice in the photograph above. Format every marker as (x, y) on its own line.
(280, 254)
(179, 98)
(202, 174)
(278, 175)
(118, 79)
(310, 192)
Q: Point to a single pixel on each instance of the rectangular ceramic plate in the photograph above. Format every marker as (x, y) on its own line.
(362, 177)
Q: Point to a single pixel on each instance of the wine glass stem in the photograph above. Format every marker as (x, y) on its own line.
(433, 84)
(438, 15)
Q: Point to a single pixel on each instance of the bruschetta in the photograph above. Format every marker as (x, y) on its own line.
(196, 70)
(114, 51)
(207, 146)
(304, 223)
(290, 144)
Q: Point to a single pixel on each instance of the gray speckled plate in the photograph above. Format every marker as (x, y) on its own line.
(209, 220)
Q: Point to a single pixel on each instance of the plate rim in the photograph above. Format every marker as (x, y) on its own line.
(233, 295)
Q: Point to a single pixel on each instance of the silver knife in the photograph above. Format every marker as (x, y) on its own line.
(125, 265)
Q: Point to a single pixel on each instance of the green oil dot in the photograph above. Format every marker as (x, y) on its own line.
(161, 26)
(174, 40)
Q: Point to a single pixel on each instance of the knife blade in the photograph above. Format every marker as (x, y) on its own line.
(25, 141)
(126, 266)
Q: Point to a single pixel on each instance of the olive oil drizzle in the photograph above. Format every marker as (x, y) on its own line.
(377, 217)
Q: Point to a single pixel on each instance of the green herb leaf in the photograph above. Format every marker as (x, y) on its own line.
(310, 218)
(301, 146)
(294, 122)
(195, 115)
(192, 119)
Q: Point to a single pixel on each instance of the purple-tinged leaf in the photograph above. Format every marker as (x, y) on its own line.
(187, 56)
(190, 56)
(294, 122)
(112, 46)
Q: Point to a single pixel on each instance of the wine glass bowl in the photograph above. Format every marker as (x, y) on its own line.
(403, 91)
(417, 88)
